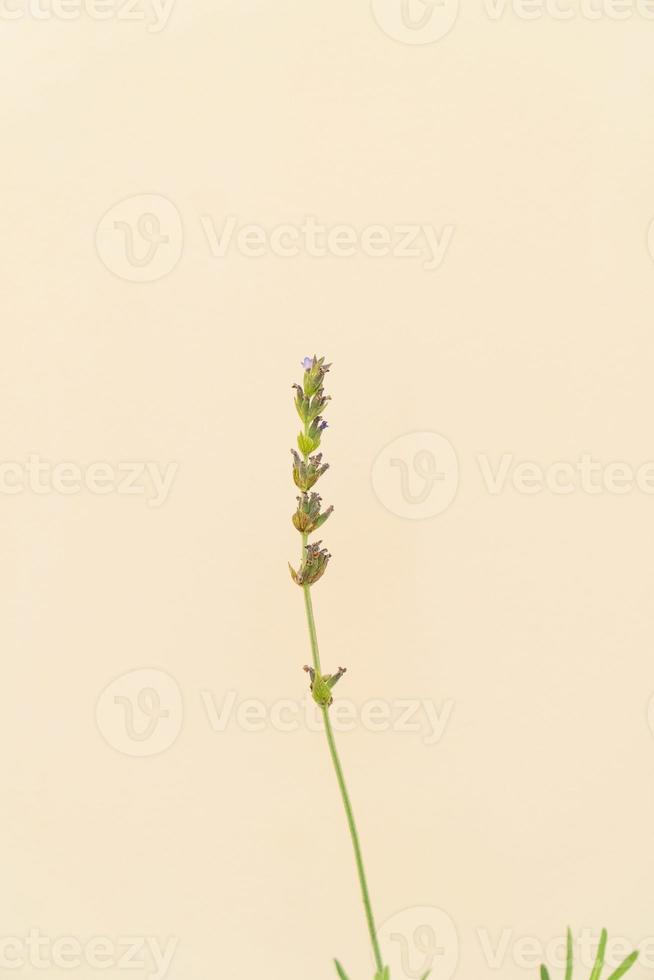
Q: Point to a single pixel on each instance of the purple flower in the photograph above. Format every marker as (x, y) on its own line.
(307, 363)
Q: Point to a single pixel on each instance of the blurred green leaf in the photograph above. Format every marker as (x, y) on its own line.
(568, 955)
(341, 972)
(624, 966)
(599, 959)
(598, 965)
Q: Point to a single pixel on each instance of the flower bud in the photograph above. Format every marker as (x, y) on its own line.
(309, 440)
(315, 370)
(307, 518)
(302, 403)
(310, 401)
(313, 565)
(321, 691)
(321, 685)
(305, 473)
(308, 408)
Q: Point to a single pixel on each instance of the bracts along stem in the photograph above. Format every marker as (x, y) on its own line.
(310, 401)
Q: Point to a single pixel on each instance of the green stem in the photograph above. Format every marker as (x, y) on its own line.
(308, 605)
(341, 784)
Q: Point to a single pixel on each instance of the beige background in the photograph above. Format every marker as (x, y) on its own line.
(533, 140)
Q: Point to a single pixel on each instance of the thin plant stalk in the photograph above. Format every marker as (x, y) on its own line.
(310, 401)
(333, 751)
(308, 467)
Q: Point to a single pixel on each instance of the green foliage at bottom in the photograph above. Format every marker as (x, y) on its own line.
(598, 965)
(595, 973)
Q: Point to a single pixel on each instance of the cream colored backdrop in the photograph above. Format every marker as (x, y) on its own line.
(173, 179)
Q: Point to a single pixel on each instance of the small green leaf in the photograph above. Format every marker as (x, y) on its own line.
(306, 444)
(341, 972)
(568, 955)
(385, 974)
(321, 692)
(624, 966)
(544, 972)
(599, 959)
(426, 975)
